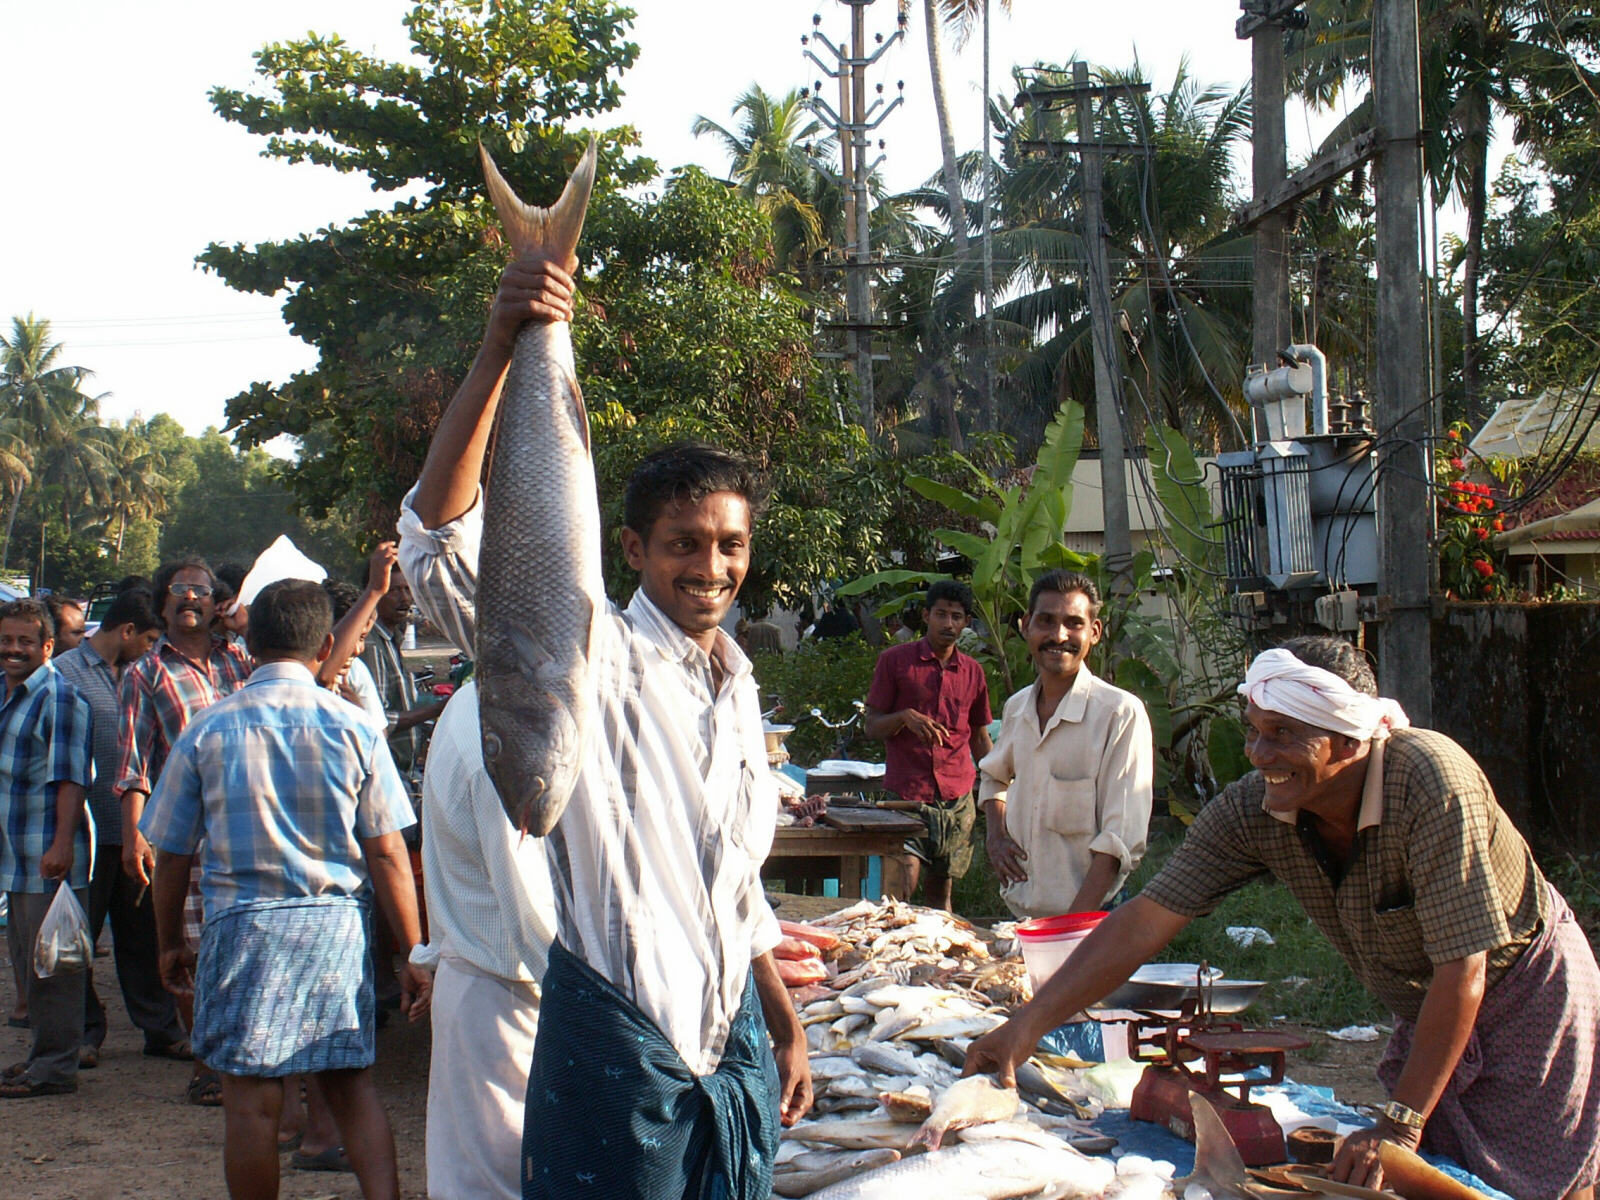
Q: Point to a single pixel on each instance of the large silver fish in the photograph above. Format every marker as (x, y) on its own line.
(539, 586)
(979, 1171)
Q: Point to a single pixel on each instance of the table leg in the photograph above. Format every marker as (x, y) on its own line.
(852, 870)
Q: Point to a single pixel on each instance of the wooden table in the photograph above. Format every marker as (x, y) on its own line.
(838, 847)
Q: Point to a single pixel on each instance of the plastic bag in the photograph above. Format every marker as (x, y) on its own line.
(64, 944)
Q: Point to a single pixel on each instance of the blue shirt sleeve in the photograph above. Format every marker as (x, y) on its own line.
(384, 805)
(174, 816)
(71, 748)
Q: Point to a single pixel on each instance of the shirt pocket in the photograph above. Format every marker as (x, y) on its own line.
(1397, 934)
(1070, 809)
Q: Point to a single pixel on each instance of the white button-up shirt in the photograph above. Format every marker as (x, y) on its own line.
(656, 861)
(1080, 786)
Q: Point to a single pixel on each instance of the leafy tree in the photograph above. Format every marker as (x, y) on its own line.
(1481, 59)
(394, 300)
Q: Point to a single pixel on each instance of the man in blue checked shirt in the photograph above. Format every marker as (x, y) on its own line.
(299, 807)
(46, 766)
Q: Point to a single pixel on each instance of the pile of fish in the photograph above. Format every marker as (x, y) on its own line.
(905, 990)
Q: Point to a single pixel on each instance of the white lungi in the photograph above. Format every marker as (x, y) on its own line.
(483, 1031)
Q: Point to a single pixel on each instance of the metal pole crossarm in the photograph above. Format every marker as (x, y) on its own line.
(825, 69)
(1046, 95)
(867, 126)
(1258, 13)
(817, 104)
(1311, 178)
(846, 62)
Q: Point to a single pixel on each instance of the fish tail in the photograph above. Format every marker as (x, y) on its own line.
(553, 230)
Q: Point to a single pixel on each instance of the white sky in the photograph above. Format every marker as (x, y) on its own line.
(119, 173)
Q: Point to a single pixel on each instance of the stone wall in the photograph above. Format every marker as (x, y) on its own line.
(1519, 687)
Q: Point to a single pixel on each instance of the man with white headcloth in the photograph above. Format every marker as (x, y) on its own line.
(1391, 839)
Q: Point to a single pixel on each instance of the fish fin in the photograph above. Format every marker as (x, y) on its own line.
(553, 230)
(1217, 1163)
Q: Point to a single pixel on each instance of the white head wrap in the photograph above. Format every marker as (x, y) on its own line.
(1281, 683)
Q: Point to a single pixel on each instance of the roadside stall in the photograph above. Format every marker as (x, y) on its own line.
(831, 826)
(1173, 1097)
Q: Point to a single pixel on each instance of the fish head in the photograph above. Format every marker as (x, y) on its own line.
(533, 743)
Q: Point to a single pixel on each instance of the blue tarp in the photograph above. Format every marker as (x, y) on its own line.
(1153, 1141)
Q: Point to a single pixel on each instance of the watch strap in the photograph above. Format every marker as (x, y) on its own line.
(1400, 1114)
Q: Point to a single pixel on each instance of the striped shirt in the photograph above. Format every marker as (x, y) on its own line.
(488, 887)
(160, 694)
(281, 780)
(656, 861)
(397, 692)
(97, 682)
(45, 740)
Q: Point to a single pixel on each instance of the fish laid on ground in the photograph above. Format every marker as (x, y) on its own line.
(811, 1176)
(539, 586)
(971, 1101)
(979, 1171)
(868, 1133)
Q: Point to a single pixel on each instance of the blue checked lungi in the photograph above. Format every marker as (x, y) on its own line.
(284, 987)
(614, 1111)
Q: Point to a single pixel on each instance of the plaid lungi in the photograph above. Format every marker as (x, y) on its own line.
(284, 987)
(1522, 1109)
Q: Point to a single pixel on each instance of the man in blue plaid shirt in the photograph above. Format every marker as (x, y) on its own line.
(46, 766)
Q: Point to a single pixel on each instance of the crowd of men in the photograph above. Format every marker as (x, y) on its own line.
(607, 1015)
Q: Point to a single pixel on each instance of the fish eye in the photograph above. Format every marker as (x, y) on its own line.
(491, 746)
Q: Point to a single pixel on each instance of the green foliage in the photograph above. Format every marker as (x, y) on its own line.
(830, 674)
(1306, 979)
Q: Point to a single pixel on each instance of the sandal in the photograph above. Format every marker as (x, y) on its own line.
(204, 1090)
(331, 1159)
(177, 1051)
(287, 1145)
(27, 1089)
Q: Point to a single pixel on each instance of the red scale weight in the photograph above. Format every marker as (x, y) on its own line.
(1221, 1060)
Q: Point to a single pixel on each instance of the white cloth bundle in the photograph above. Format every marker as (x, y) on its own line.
(1281, 683)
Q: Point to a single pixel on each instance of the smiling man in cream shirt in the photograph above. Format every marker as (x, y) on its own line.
(1066, 790)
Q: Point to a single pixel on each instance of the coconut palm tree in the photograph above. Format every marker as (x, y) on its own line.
(54, 417)
(777, 149)
(1481, 60)
(138, 488)
(1180, 273)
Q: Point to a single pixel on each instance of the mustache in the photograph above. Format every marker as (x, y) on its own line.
(1069, 647)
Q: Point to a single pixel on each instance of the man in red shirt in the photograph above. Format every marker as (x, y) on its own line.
(930, 704)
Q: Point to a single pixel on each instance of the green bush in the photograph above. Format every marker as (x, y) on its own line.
(831, 675)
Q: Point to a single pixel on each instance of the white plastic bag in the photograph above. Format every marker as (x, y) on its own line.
(64, 944)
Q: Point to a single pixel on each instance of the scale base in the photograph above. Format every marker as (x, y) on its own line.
(1162, 1098)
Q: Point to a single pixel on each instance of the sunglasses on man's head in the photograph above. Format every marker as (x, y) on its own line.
(185, 590)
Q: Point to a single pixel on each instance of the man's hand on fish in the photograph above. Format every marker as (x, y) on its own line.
(794, 1081)
(531, 289)
(1357, 1161)
(998, 1052)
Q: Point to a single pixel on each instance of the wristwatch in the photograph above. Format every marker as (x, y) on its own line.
(1401, 1115)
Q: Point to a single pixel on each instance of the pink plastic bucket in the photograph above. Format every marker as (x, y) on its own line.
(1047, 942)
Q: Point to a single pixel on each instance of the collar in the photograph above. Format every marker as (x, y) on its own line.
(34, 681)
(287, 671)
(1073, 705)
(92, 652)
(1371, 810)
(164, 646)
(925, 652)
(669, 640)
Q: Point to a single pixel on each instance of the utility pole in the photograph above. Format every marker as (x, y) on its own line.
(853, 121)
(1113, 477)
(1270, 165)
(1404, 491)
(1097, 282)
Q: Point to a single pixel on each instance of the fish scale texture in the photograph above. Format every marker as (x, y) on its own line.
(539, 584)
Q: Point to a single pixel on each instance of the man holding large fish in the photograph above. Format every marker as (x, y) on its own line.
(1391, 839)
(630, 739)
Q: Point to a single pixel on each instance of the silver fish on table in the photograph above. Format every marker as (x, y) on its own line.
(972, 1101)
(539, 586)
(979, 1171)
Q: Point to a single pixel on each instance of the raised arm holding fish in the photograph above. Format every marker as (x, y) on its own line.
(661, 986)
